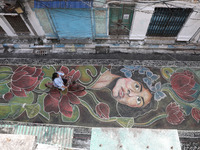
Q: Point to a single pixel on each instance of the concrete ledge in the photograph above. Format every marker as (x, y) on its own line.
(134, 139)
(17, 142)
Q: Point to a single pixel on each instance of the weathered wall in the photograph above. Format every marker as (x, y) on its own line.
(101, 22)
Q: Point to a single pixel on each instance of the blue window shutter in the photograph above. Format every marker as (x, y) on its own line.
(72, 23)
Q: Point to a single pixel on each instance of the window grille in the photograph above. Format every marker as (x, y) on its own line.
(167, 22)
(120, 19)
(17, 24)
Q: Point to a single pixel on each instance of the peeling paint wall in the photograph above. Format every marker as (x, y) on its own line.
(45, 23)
(101, 22)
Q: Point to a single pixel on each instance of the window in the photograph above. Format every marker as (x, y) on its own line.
(17, 24)
(167, 22)
(120, 19)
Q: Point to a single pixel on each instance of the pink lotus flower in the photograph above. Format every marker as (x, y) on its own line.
(57, 101)
(102, 110)
(24, 79)
(182, 83)
(196, 114)
(175, 114)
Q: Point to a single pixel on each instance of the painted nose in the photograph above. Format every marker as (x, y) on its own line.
(132, 94)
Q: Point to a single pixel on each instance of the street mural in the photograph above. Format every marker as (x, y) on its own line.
(102, 96)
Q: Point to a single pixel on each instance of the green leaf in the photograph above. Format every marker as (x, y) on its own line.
(43, 82)
(5, 72)
(4, 111)
(3, 89)
(126, 122)
(167, 72)
(40, 101)
(21, 100)
(16, 111)
(4, 82)
(75, 115)
(85, 77)
(104, 69)
(4, 76)
(32, 110)
(5, 68)
(197, 73)
(48, 71)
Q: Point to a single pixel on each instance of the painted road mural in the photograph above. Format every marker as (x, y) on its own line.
(102, 96)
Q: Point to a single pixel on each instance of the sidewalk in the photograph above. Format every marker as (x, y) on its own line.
(110, 46)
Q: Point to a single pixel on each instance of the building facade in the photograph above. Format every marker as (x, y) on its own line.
(103, 25)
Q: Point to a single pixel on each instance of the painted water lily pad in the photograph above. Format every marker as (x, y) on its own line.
(32, 110)
(16, 110)
(4, 111)
(5, 72)
(40, 101)
(3, 89)
(85, 73)
(23, 100)
(74, 117)
(48, 71)
(43, 82)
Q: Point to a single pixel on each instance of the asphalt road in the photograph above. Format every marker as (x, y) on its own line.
(118, 56)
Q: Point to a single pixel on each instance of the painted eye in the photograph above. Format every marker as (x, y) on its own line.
(137, 86)
(129, 91)
(138, 100)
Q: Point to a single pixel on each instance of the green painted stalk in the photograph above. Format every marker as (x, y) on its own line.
(151, 121)
(89, 86)
(94, 98)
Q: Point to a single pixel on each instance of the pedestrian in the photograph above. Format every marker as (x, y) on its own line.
(59, 80)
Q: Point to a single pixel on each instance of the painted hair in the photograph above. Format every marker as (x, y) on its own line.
(55, 75)
(127, 111)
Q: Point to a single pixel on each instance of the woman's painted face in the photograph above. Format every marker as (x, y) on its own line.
(131, 93)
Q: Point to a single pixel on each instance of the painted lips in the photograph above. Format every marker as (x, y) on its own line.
(121, 93)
